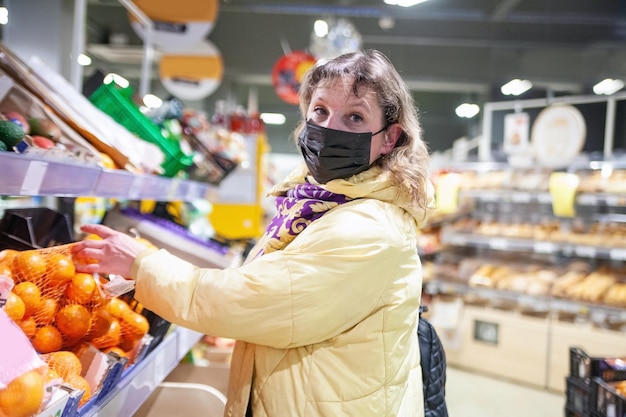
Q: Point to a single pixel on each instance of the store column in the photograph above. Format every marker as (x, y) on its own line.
(42, 28)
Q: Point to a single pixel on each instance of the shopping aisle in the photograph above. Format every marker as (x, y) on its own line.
(475, 395)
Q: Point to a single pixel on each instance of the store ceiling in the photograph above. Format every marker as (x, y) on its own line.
(448, 51)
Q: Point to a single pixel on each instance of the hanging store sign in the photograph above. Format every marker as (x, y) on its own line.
(192, 73)
(288, 72)
(176, 23)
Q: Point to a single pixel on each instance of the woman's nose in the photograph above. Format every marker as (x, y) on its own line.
(331, 122)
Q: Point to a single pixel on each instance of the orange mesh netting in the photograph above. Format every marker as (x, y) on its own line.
(61, 309)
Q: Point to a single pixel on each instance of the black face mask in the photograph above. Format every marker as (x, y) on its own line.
(330, 154)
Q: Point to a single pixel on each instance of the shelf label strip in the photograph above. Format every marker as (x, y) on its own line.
(34, 178)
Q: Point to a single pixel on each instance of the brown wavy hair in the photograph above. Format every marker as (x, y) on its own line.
(408, 162)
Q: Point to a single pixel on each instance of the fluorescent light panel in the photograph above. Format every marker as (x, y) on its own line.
(273, 118)
(608, 86)
(467, 110)
(404, 3)
(516, 87)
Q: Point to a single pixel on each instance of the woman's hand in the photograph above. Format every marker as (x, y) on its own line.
(113, 254)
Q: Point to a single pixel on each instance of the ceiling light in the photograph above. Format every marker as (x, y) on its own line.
(4, 16)
(608, 86)
(516, 87)
(273, 118)
(117, 79)
(467, 110)
(386, 22)
(404, 3)
(83, 60)
(320, 27)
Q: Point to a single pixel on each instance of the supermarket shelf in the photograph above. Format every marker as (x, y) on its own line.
(28, 176)
(531, 245)
(143, 378)
(533, 302)
(543, 197)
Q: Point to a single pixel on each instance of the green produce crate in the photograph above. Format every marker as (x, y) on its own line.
(116, 102)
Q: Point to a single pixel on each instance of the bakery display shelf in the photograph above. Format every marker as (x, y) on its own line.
(543, 303)
(511, 244)
(24, 175)
(509, 196)
(542, 197)
(142, 379)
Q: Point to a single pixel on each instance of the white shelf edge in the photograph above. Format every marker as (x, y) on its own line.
(28, 176)
(142, 379)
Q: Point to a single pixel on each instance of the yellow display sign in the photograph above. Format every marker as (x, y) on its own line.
(563, 187)
(447, 192)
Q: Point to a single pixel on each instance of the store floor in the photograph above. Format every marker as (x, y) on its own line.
(470, 394)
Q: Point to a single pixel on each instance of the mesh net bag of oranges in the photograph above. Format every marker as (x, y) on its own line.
(62, 312)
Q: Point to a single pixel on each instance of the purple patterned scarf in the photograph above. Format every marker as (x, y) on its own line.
(295, 211)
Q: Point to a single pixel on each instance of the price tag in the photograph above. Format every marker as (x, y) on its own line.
(585, 251)
(135, 189)
(521, 197)
(615, 201)
(455, 239)
(173, 189)
(563, 188)
(447, 192)
(544, 247)
(498, 243)
(486, 332)
(587, 199)
(34, 177)
(618, 254)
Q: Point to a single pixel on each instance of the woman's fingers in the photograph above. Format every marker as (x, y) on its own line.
(98, 229)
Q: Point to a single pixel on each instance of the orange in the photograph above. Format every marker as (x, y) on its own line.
(15, 307)
(5, 269)
(79, 383)
(134, 325)
(73, 321)
(6, 255)
(51, 375)
(30, 294)
(112, 337)
(127, 344)
(47, 339)
(92, 236)
(61, 270)
(28, 326)
(23, 396)
(100, 323)
(64, 362)
(45, 312)
(81, 288)
(117, 307)
(29, 265)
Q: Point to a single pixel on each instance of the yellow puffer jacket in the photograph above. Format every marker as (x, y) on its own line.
(326, 326)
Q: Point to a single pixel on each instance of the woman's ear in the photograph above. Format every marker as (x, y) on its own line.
(392, 134)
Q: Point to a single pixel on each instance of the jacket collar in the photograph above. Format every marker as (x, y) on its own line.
(373, 183)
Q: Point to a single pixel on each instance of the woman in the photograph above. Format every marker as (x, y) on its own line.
(325, 309)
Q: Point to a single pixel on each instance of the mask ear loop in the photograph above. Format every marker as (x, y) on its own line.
(381, 130)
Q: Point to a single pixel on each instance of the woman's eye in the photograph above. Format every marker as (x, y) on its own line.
(319, 110)
(355, 118)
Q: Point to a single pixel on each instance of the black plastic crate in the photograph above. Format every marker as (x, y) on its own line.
(34, 228)
(605, 400)
(577, 394)
(586, 367)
